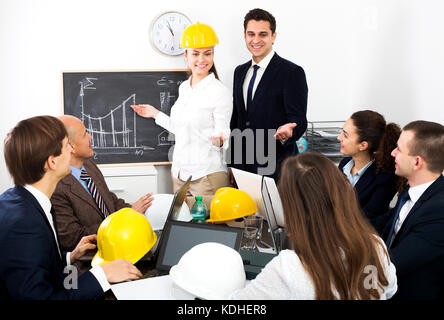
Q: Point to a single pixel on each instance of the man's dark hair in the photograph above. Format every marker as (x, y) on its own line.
(428, 143)
(258, 15)
(28, 146)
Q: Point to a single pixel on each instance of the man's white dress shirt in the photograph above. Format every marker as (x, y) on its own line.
(415, 193)
(259, 73)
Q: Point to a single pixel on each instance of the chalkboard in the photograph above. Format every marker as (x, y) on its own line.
(102, 100)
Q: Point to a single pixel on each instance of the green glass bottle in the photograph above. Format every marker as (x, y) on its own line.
(199, 210)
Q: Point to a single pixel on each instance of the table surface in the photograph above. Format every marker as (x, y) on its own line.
(145, 265)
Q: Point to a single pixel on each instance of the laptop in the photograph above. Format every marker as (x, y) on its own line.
(251, 184)
(173, 214)
(179, 198)
(182, 236)
(178, 237)
(274, 212)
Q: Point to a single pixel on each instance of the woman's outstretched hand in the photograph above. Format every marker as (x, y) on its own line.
(145, 110)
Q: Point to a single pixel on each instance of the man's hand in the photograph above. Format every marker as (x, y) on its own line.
(143, 203)
(120, 270)
(285, 132)
(145, 110)
(85, 244)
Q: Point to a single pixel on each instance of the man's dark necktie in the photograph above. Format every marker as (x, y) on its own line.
(250, 86)
(94, 192)
(403, 198)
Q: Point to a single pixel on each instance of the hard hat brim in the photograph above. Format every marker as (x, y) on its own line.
(229, 218)
(177, 279)
(98, 260)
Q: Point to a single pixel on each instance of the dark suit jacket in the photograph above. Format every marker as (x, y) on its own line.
(77, 213)
(375, 190)
(417, 250)
(31, 266)
(280, 98)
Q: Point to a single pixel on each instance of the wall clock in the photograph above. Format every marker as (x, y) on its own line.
(166, 32)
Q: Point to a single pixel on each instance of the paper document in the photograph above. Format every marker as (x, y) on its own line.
(156, 288)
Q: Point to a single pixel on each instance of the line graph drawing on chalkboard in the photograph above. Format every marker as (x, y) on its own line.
(102, 101)
(123, 135)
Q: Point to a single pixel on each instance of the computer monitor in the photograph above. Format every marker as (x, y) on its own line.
(179, 237)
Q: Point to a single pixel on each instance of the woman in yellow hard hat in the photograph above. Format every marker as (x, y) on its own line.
(200, 118)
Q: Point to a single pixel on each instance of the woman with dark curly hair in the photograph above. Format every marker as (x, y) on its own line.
(368, 140)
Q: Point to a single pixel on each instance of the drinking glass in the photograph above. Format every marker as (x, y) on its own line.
(249, 238)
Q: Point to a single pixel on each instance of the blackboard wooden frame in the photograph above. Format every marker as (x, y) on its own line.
(163, 82)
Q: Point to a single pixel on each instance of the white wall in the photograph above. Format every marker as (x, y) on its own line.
(379, 54)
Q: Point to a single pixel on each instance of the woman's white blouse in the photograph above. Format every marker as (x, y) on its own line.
(285, 277)
(200, 112)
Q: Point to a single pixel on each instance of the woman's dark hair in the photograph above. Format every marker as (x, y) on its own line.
(28, 146)
(213, 70)
(381, 138)
(258, 15)
(327, 230)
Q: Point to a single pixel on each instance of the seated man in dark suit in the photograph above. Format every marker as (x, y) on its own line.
(413, 230)
(82, 199)
(37, 155)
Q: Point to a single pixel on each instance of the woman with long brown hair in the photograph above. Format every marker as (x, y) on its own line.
(336, 253)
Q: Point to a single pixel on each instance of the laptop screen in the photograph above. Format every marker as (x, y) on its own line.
(179, 198)
(179, 237)
(269, 212)
(275, 214)
(251, 184)
(268, 206)
(173, 214)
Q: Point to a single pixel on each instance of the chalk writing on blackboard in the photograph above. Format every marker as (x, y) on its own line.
(102, 101)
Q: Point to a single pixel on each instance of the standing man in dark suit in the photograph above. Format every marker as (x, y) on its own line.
(414, 229)
(80, 209)
(32, 266)
(270, 102)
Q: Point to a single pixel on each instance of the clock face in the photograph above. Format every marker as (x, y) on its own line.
(166, 32)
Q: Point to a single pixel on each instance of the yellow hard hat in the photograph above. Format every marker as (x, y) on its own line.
(229, 204)
(124, 234)
(198, 36)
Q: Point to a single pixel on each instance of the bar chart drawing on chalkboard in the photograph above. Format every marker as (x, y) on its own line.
(102, 100)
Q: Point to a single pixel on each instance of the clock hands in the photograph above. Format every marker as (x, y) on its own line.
(171, 30)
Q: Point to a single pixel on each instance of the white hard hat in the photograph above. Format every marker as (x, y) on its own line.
(209, 271)
(158, 211)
